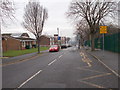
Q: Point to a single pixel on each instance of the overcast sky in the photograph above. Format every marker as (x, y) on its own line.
(56, 17)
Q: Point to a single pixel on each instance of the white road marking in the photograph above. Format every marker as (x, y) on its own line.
(29, 79)
(52, 62)
(64, 53)
(60, 56)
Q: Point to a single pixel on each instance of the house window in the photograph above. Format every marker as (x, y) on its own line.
(23, 43)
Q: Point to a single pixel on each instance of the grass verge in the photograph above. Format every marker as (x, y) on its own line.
(13, 53)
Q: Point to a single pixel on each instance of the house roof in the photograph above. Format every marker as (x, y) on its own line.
(20, 36)
(25, 38)
(16, 34)
(7, 37)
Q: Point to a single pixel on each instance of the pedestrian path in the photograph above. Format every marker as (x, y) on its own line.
(18, 58)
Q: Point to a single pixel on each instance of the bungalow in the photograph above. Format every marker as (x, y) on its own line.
(26, 41)
(17, 41)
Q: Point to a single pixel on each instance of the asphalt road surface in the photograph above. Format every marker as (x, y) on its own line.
(68, 68)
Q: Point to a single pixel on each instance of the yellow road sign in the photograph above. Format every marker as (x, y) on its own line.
(103, 29)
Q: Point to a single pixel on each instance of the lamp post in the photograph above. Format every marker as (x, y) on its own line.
(1, 55)
(58, 37)
(0, 41)
(58, 31)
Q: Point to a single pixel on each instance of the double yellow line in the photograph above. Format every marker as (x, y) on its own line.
(85, 59)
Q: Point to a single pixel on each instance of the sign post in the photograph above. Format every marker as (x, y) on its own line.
(103, 30)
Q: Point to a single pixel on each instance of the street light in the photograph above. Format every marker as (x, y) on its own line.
(0, 40)
(58, 31)
(59, 40)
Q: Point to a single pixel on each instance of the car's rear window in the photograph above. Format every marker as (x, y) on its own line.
(54, 46)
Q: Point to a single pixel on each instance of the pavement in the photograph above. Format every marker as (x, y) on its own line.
(109, 59)
(68, 68)
(20, 58)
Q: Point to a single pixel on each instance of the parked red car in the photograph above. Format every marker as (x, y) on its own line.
(54, 48)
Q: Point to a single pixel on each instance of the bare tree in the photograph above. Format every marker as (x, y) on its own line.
(6, 12)
(93, 12)
(82, 30)
(34, 19)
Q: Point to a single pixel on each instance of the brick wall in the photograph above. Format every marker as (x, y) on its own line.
(44, 40)
(9, 43)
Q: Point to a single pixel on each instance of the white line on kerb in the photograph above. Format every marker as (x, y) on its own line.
(30, 78)
(60, 56)
(107, 67)
(52, 62)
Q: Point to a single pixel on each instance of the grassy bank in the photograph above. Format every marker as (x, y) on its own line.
(13, 53)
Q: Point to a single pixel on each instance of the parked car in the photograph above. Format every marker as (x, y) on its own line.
(63, 46)
(69, 45)
(54, 48)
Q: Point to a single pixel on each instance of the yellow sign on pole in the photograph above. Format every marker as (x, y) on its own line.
(103, 29)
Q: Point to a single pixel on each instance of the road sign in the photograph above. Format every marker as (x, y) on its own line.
(103, 29)
(59, 38)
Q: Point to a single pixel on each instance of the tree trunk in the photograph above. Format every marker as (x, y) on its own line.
(38, 40)
(92, 42)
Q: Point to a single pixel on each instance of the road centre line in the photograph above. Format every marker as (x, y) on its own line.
(52, 62)
(64, 53)
(36, 74)
(60, 56)
(30, 78)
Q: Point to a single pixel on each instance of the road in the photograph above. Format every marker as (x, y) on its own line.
(68, 68)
